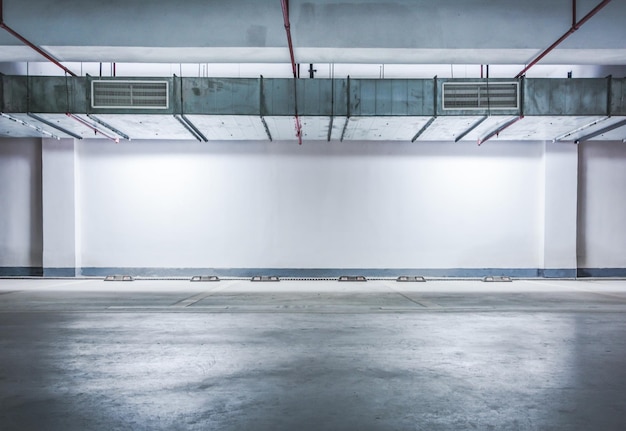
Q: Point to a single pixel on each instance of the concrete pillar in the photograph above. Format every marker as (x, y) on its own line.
(561, 201)
(61, 253)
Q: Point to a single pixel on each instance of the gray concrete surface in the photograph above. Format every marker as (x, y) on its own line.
(324, 31)
(312, 355)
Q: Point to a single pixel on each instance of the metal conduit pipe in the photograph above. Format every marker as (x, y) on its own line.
(28, 43)
(575, 26)
(285, 7)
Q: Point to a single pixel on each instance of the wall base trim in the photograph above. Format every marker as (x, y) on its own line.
(602, 272)
(59, 272)
(328, 272)
(21, 271)
(557, 273)
(35, 271)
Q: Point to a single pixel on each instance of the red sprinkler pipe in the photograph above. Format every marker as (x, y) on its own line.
(95, 129)
(29, 43)
(285, 7)
(575, 26)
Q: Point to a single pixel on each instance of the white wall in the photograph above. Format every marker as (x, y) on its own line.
(61, 244)
(561, 200)
(602, 205)
(20, 203)
(322, 205)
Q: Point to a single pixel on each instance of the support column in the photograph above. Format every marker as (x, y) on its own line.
(561, 201)
(61, 253)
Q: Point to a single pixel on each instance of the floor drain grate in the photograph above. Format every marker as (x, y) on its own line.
(497, 278)
(199, 278)
(118, 278)
(265, 278)
(352, 278)
(411, 278)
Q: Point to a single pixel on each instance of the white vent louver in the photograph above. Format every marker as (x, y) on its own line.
(481, 95)
(129, 94)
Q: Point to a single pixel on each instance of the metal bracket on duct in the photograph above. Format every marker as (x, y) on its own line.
(184, 121)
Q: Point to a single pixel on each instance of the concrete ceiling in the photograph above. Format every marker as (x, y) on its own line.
(324, 31)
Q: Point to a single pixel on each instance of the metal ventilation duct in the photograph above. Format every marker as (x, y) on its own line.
(129, 94)
(210, 109)
(481, 95)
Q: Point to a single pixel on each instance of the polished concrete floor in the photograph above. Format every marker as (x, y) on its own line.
(312, 355)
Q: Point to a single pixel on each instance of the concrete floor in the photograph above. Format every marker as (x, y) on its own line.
(312, 355)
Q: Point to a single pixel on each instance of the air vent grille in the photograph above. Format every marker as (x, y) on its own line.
(129, 94)
(481, 95)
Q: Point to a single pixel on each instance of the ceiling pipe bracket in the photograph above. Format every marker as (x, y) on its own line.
(108, 126)
(601, 131)
(423, 129)
(54, 126)
(470, 128)
(30, 126)
(499, 130)
(92, 127)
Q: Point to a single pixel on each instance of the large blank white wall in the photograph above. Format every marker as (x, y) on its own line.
(602, 205)
(321, 205)
(20, 203)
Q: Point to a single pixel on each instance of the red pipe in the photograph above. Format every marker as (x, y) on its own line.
(95, 129)
(575, 26)
(30, 44)
(285, 7)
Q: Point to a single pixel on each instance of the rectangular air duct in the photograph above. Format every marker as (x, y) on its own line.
(481, 95)
(116, 94)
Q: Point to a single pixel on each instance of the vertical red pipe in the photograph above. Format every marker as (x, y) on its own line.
(575, 26)
(285, 7)
(29, 43)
